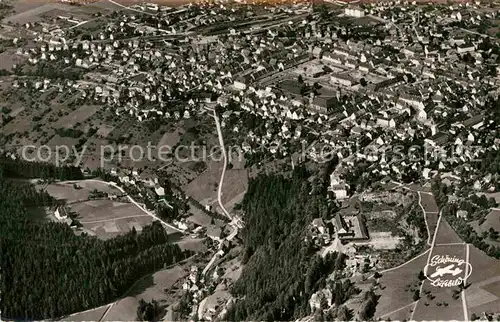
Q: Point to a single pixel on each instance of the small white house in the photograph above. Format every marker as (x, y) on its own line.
(160, 191)
(60, 213)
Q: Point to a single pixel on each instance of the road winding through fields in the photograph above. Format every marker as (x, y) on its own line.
(430, 254)
(144, 210)
(224, 154)
(428, 261)
(432, 243)
(425, 218)
(219, 190)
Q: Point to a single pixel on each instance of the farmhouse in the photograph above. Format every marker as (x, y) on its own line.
(61, 214)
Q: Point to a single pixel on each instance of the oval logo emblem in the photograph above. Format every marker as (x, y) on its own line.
(447, 271)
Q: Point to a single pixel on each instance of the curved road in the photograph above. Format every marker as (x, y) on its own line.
(147, 212)
(224, 154)
(235, 222)
(425, 218)
(432, 243)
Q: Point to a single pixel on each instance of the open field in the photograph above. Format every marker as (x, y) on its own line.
(439, 303)
(25, 5)
(181, 175)
(104, 130)
(92, 157)
(382, 241)
(483, 294)
(198, 217)
(154, 286)
(429, 202)
(9, 58)
(492, 220)
(33, 13)
(169, 139)
(57, 140)
(232, 268)
(431, 220)
(75, 117)
(401, 314)
(446, 234)
(38, 10)
(398, 287)
(103, 218)
(100, 210)
(194, 244)
(233, 202)
(19, 124)
(68, 192)
(204, 187)
(140, 134)
(235, 184)
(108, 218)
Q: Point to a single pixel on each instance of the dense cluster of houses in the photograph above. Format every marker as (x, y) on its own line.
(432, 93)
(399, 92)
(392, 78)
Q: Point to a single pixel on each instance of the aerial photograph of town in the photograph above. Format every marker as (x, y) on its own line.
(249, 160)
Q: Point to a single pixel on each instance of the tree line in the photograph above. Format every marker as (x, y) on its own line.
(282, 270)
(461, 225)
(48, 271)
(20, 169)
